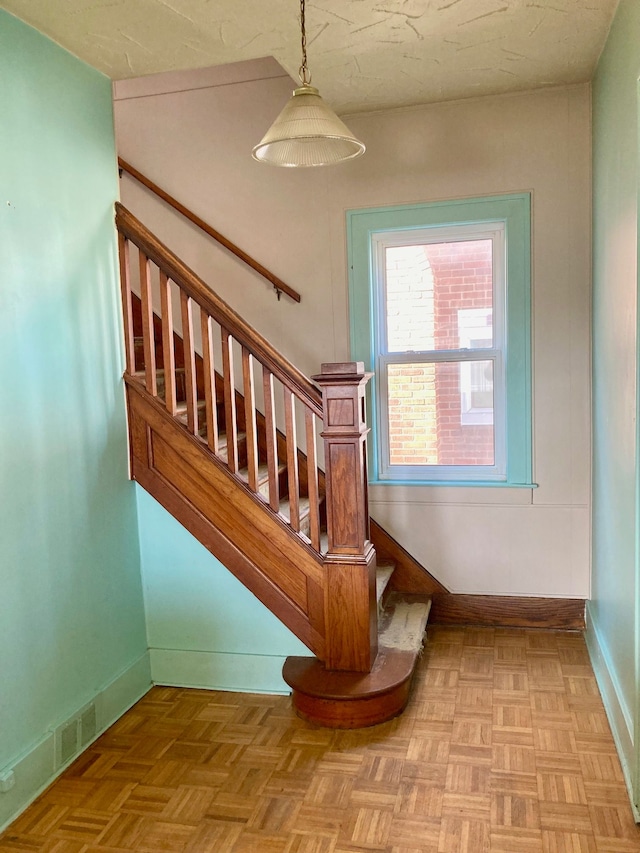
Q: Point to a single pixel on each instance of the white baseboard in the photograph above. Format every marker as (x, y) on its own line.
(37, 768)
(238, 673)
(617, 711)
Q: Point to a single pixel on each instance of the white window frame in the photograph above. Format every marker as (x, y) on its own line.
(496, 232)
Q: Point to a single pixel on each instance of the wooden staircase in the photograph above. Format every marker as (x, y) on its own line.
(234, 459)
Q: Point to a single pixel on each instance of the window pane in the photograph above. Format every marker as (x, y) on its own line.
(441, 413)
(439, 296)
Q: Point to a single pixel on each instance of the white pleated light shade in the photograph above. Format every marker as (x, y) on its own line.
(307, 133)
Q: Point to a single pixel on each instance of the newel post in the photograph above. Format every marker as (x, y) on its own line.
(350, 606)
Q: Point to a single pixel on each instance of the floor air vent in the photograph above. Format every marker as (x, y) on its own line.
(88, 725)
(72, 736)
(66, 742)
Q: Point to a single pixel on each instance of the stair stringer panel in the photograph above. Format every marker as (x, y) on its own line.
(243, 533)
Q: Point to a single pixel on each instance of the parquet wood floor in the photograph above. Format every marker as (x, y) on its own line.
(505, 747)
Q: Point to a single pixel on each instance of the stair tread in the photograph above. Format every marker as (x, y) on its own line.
(182, 415)
(384, 570)
(308, 676)
(263, 473)
(140, 374)
(159, 370)
(404, 623)
(303, 504)
(181, 408)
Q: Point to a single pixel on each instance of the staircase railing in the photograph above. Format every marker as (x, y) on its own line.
(250, 423)
(278, 284)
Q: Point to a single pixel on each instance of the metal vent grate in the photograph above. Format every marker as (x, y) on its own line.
(88, 725)
(68, 735)
(72, 736)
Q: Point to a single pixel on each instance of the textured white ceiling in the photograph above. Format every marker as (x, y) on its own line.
(363, 54)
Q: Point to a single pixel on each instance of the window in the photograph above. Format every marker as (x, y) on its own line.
(439, 298)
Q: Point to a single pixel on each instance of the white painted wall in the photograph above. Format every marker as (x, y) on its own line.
(193, 133)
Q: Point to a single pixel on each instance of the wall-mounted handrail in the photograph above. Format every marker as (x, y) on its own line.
(278, 285)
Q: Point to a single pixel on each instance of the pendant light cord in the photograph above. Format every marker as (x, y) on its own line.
(303, 73)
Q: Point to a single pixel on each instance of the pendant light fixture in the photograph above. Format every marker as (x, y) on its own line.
(307, 132)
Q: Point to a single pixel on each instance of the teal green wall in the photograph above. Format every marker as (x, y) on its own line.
(612, 612)
(71, 609)
(204, 628)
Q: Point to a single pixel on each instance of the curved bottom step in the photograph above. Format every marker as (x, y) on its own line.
(350, 700)
(353, 700)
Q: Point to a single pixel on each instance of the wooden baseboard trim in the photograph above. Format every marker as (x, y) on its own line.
(505, 611)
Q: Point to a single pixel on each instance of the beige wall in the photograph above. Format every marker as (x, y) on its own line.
(196, 143)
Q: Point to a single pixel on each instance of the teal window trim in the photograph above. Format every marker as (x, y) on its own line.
(515, 211)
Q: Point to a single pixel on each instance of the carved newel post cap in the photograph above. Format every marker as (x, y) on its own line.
(340, 371)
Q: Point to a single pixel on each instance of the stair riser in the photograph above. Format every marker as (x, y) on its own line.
(353, 714)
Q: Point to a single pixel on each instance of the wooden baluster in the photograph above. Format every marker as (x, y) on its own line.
(125, 290)
(147, 325)
(312, 479)
(271, 439)
(250, 419)
(189, 363)
(350, 561)
(231, 426)
(168, 354)
(292, 460)
(209, 382)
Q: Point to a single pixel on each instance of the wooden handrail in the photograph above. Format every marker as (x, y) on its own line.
(193, 286)
(278, 285)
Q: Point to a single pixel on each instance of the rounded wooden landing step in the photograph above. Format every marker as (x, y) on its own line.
(353, 700)
(350, 700)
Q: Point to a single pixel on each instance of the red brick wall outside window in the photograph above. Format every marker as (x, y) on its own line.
(432, 290)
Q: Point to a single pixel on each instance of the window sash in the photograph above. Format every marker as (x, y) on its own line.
(390, 472)
(423, 236)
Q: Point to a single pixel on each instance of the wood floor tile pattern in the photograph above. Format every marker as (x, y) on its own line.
(505, 747)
